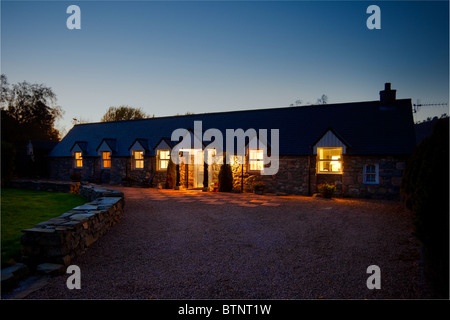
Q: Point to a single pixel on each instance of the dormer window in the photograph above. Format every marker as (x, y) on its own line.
(329, 160)
(78, 163)
(138, 159)
(163, 159)
(106, 160)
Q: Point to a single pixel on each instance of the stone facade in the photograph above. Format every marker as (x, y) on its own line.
(390, 177)
(296, 175)
(351, 182)
(292, 176)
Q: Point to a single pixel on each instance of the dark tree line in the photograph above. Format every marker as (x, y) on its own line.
(28, 112)
(425, 187)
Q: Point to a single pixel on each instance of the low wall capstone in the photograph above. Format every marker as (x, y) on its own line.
(61, 239)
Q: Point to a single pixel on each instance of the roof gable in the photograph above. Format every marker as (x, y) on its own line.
(139, 144)
(163, 144)
(330, 139)
(107, 144)
(79, 146)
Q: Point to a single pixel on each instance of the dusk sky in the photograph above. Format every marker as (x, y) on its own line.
(170, 57)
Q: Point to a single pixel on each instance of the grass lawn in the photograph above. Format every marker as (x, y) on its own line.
(23, 209)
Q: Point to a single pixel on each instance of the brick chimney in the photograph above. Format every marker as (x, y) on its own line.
(387, 96)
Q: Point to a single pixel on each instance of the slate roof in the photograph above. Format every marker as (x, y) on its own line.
(366, 127)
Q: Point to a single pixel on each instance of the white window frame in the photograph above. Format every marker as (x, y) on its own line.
(76, 160)
(161, 168)
(138, 160)
(257, 159)
(339, 160)
(103, 160)
(376, 173)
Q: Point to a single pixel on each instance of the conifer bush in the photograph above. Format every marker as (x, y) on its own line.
(171, 175)
(225, 178)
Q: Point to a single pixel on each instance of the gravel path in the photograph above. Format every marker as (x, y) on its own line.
(194, 245)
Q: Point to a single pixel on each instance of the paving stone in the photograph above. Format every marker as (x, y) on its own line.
(12, 275)
(27, 286)
(50, 269)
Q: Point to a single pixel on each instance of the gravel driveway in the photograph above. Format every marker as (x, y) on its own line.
(194, 245)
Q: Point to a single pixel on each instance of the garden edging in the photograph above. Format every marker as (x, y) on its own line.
(57, 241)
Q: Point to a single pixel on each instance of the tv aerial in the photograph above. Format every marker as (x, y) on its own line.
(419, 104)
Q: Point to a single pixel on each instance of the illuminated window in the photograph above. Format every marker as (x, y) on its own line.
(106, 160)
(78, 160)
(370, 174)
(163, 159)
(329, 160)
(138, 160)
(256, 159)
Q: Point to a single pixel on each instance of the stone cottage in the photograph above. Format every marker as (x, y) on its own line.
(360, 146)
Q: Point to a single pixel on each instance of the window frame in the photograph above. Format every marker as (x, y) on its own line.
(255, 160)
(319, 160)
(159, 160)
(105, 160)
(376, 174)
(138, 160)
(77, 160)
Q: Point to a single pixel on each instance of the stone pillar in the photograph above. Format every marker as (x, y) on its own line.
(177, 179)
(205, 172)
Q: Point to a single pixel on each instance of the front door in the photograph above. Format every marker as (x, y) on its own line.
(198, 169)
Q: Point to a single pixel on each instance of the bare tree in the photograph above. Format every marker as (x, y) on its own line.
(322, 100)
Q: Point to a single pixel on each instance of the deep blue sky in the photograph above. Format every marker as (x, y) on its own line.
(173, 57)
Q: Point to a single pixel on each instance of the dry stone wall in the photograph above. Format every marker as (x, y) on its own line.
(61, 239)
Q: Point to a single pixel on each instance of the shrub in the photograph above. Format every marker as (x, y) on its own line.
(258, 185)
(171, 177)
(225, 178)
(326, 189)
(426, 190)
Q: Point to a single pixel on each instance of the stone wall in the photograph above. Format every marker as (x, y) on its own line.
(296, 175)
(61, 239)
(121, 171)
(390, 177)
(292, 176)
(351, 182)
(61, 168)
(45, 185)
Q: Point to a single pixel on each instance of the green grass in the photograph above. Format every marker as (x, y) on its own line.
(23, 209)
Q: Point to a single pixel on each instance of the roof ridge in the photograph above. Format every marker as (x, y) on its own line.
(240, 111)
